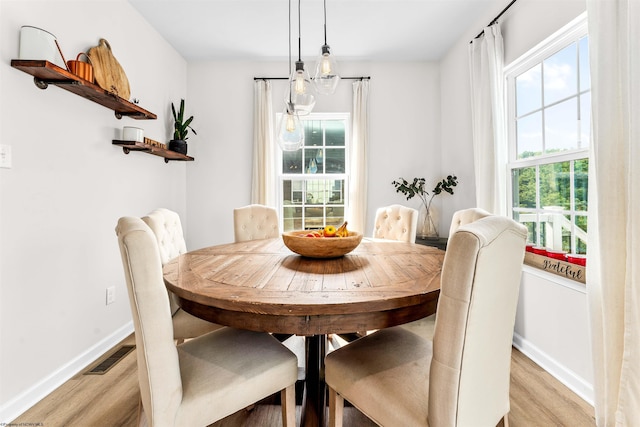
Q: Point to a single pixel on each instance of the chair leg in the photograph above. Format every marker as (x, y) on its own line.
(288, 399)
(505, 420)
(336, 408)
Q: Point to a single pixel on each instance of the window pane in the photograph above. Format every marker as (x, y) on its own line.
(335, 215)
(315, 192)
(336, 191)
(585, 75)
(529, 135)
(555, 186)
(292, 191)
(312, 133)
(528, 219)
(560, 75)
(561, 127)
(529, 91)
(554, 230)
(581, 234)
(310, 162)
(292, 216)
(334, 132)
(335, 161)
(585, 120)
(292, 161)
(524, 187)
(581, 184)
(313, 217)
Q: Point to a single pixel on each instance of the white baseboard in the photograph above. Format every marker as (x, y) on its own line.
(25, 400)
(567, 377)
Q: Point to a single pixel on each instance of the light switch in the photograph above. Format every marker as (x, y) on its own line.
(5, 156)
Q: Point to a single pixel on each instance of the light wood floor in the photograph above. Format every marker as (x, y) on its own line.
(537, 399)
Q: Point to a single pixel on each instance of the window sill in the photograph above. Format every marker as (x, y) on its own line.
(571, 272)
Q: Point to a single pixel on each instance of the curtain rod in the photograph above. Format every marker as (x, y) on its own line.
(287, 78)
(495, 19)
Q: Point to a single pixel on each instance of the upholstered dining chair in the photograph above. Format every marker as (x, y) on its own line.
(466, 216)
(396, 222)
(426, 326)
(206, 378)
(461, 378)
(255, 221)
(167, 228)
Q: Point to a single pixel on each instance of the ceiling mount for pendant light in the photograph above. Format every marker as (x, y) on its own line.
(290, 130)
(326, 77)
(299, 90)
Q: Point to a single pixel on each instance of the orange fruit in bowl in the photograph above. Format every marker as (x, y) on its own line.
(329, 231)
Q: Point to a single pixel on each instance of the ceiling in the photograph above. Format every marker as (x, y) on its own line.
(378, 30)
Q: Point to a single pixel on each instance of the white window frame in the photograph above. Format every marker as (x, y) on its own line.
(571, 33)
(281, 176)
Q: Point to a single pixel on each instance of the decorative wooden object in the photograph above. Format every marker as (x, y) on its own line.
(128, 146)
(45, 73)
(321, 247)
(108, 72)
(154, 143)
(556, 266)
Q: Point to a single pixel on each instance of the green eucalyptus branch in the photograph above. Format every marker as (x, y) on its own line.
(417, 188)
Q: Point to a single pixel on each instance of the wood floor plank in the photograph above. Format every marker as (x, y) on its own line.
(537, 399)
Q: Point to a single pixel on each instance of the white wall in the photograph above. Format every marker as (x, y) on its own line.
(60, 202)
(404, 135)
(68, 186)
(552, 319)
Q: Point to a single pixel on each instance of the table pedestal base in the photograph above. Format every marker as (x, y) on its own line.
(314, 400)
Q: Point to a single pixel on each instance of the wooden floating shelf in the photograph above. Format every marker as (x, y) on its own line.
(45, 73)
(128, 146)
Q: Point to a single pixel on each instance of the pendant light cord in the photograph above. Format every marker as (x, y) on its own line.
(290, 67)
(325, 22)
(299, 36)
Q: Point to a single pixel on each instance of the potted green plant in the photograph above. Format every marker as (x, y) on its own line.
(428, 228)
(180, 129)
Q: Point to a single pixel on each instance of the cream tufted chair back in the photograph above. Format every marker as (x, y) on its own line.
(396, 222)
(167, 228)
(255, 222)
(466, 216)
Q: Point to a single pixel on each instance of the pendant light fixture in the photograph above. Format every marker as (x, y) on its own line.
(290, 130)
(300, 88)
(326, 77)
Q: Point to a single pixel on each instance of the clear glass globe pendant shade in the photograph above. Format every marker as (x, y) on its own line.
(299, 91)
(326, 77)
(290, 130)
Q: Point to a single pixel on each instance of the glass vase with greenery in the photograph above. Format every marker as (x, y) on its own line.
(428, 228)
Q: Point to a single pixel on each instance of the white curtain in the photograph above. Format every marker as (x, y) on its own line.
(263, 185)
(613, 268)
(486, 58)
(358, 157)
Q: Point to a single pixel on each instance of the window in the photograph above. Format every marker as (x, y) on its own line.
(549, 112)
(313, 181)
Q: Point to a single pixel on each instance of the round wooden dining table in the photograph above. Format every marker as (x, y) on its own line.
(261, 285)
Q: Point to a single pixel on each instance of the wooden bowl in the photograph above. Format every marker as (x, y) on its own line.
(321, 247)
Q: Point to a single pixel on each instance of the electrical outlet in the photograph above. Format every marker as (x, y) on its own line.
(111, 295)
(5, 156)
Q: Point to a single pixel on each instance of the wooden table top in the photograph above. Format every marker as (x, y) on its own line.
(261, 285)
